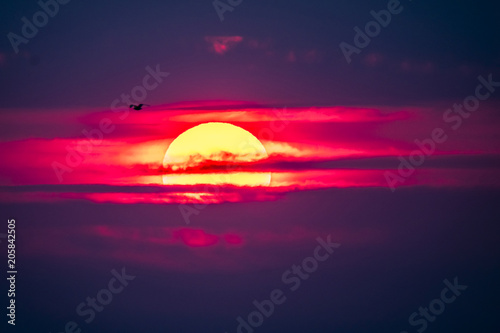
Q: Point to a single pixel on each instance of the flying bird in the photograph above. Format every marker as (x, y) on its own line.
(137, 107)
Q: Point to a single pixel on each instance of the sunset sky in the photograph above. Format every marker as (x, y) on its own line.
(259, 139)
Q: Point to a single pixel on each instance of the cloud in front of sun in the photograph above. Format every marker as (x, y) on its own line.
(246, 151)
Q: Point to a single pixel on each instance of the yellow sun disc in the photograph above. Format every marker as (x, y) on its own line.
(220, 142)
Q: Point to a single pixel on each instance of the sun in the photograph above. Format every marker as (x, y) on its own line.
(215, 143)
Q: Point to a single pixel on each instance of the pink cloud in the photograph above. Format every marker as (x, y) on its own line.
(195, 237)
(182, 249)
(222, 44)
(166, 236)
(298, 140)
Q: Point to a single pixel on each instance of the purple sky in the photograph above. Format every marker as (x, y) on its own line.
(201, 259)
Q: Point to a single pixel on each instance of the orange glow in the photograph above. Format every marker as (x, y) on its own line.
(215, 142)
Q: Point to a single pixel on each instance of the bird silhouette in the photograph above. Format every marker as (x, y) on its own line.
(137, 107)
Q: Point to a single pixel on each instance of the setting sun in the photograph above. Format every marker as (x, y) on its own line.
(214, 144)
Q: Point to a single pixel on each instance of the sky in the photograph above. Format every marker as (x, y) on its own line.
(295, 166)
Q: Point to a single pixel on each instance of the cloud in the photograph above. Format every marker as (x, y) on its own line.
(222, 44)
(221, 245)
(308, 147)
(166, 236)
(260, 113)
(285, 179)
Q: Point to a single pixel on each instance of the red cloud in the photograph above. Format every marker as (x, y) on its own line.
(195, 237)
(222, 44)
(166, 236)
